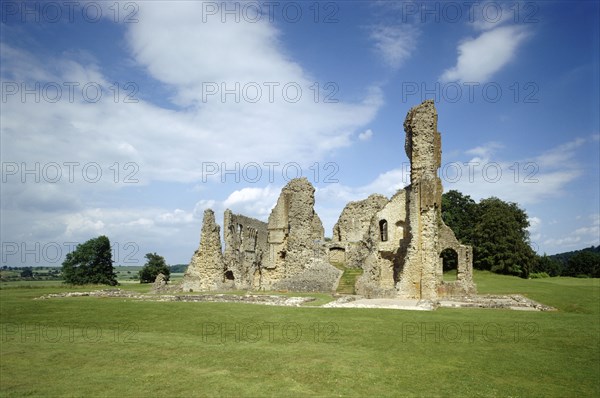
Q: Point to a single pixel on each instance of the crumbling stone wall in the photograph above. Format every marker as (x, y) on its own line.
(464, 273)
(386, 241)
(354, 222)
(294, 228)
(245, 244)
(352, 229)
(287, 253)
(207, 268)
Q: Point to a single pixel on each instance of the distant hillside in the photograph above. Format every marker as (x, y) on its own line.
(178, 268)
(580, 263)
(563, 258)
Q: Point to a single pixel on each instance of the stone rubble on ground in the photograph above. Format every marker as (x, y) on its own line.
(512, 302)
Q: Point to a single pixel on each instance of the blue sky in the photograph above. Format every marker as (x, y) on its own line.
(128, 119)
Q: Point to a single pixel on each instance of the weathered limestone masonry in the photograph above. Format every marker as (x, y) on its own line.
(408, 235)
(397, 242)
(206, 270)
(351, 231)
(245, 246)
(295, 260)
(286, 253)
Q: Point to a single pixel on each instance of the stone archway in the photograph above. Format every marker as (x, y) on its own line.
(449, 264)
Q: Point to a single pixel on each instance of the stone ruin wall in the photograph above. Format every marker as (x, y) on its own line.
(354, 222)
(387, 236)
(283, 254)
(295, 261)
(421, 276)
(206, 269)
(397, 242)
(352, 229)
(245, 245)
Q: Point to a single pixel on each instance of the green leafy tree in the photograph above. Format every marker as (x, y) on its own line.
(155, 265)
(27, 272)
(460, 213)
(497, 230)
(501, 239)
(583, 263)
(90, 262)
(548, 265)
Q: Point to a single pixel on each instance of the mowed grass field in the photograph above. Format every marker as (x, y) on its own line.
(89, 346)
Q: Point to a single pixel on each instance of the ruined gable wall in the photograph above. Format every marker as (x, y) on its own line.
(206, 269)
(394, 214)
(386, 249)
(293, 225)
(351, 230)
(245, 246)
(354, 222)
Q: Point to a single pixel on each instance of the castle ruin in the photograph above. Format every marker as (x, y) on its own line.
(397, 242)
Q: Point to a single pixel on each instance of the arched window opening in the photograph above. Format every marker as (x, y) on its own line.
(383, 230)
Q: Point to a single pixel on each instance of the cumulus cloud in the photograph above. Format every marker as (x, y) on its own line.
(254, 202)
(243, 57)
(176, 217)
(481, 57)
(164, 138)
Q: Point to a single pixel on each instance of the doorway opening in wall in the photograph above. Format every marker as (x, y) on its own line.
(229, 276)
(449, 262)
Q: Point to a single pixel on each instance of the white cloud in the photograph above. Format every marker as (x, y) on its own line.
(366, 135)
(164, 143)
(582, 236)
(253, 202)
(480, 58)
(168, 144)
(79, 224)
(560, 155)
(394, 43)
(525, 181)
(175, 218)
(203, 205)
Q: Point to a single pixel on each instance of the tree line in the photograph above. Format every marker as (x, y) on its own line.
(497, 231)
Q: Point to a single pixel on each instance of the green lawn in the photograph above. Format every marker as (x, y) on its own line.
(114, 347)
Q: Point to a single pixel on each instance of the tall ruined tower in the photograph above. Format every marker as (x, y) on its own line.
(407, 236)
(423, 148)
(428, 235)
